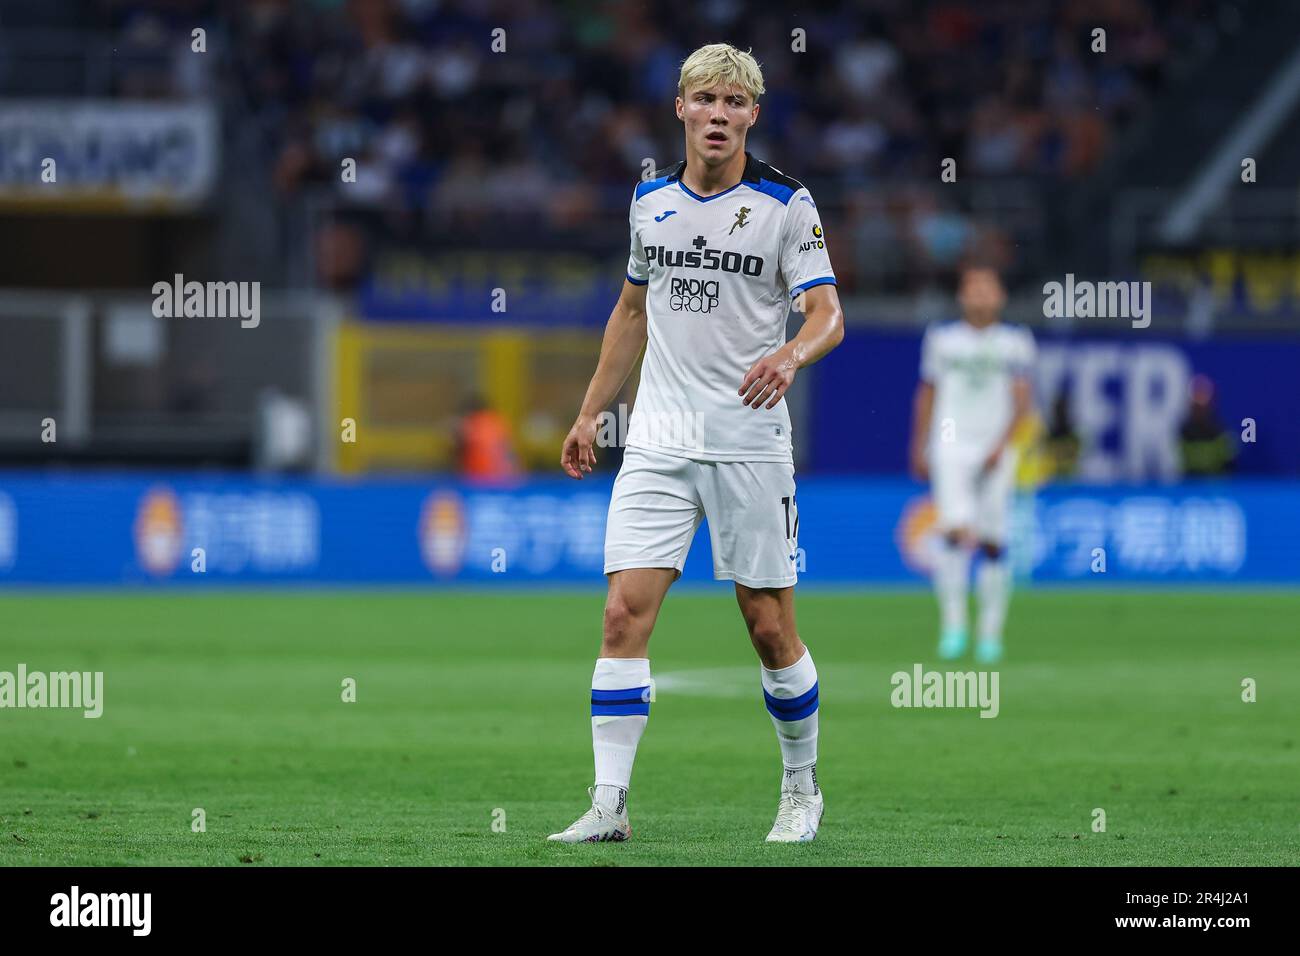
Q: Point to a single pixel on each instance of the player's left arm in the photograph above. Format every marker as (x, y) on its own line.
(823, 329)
(806, 270)
(1022, 398)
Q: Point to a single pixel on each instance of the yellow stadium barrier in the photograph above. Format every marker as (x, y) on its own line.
(405, 384)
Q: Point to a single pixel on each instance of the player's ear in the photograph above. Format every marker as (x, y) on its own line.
(679, 105)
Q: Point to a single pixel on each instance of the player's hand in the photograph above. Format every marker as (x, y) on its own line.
(768, 380)
(578, 454)
(920, 464)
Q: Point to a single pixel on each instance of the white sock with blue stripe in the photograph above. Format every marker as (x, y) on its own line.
(993, 584)
(951, 583)
(791, 697)
(620, 709)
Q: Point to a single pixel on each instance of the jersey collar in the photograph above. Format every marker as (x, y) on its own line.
(749, 175)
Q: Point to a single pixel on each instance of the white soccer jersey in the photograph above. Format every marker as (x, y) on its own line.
(972, 371)
(722, 271)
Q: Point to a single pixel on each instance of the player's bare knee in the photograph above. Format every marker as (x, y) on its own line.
(626, 625)
(773, 641)
(620, 621)
(991, 550)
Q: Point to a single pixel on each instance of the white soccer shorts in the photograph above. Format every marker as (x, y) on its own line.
(659, 500)
(967, 499)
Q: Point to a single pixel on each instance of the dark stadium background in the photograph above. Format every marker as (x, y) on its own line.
(454, 291)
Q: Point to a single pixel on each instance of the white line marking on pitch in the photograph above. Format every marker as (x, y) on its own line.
(710, 682)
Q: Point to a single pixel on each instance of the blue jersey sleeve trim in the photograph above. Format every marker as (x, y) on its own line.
(635, 281)
(824, 280)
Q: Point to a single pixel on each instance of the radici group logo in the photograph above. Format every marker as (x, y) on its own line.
(693, 295)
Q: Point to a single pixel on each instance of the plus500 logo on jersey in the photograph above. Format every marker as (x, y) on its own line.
(693, 295)
(705, 259)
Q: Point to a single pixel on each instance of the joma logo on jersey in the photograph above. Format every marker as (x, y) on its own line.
(693, 295)
(703, 258)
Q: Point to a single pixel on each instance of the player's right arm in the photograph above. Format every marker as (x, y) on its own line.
(625, 337)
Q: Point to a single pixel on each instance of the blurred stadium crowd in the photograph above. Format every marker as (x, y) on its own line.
(478, 170)
(455, 140)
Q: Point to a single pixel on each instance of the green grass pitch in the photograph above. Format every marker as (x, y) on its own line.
(472, 709)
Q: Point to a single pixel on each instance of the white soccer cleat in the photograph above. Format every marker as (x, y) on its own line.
(797, 817)
(598, 825)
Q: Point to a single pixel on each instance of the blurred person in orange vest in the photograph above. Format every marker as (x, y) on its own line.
(484, 451)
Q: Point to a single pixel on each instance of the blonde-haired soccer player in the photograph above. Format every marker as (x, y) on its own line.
(721, 244)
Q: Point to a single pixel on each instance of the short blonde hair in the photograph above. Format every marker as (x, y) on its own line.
(721, 63)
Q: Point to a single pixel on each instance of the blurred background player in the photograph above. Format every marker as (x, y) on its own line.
(973, 397)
